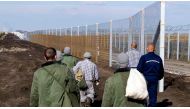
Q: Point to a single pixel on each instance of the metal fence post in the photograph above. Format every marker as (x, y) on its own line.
(115, 40)
(60, 31)
(188, 46)
(162, 41)
(97, 29)
(78, 30)
(126, 41)
(168, 46)
(110, 54)
(65, 31)
(71, 31)
(56, 31)
(71, 34)
(97, 42)
(86, 32)
(123, 42)
(177, 45)
(119, 42)
(142, 33)
(130, 34)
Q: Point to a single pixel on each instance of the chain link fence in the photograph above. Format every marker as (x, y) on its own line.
(106, 40)
(177, 43)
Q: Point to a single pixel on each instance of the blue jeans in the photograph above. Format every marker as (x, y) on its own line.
(152, 86)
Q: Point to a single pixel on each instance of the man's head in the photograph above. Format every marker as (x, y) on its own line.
(50, 54)
(87, 55)
(122, 60)
(67, 50)
(134, 45)
(150, 47)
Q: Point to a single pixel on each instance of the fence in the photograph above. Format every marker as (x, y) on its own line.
(106, 40)
(177, 43)
(141, 28)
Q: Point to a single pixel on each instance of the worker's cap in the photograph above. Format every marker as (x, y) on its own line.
(87, 55)
(67, 50)
(122, 59)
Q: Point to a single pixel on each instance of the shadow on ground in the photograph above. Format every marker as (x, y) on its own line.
(97, 103)
(164, 103)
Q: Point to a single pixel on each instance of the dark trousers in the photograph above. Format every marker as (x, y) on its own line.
(152, 86)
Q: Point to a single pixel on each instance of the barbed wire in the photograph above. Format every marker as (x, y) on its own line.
(170, 28)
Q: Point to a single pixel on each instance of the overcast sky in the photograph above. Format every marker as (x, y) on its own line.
(40, 15)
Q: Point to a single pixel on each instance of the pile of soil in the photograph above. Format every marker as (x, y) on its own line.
(18, 61)
(10, 36)
(176, 92)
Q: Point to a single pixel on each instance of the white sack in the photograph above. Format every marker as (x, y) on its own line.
(136, 86)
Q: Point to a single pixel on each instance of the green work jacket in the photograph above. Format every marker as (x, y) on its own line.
(53, 85)
(114, 91)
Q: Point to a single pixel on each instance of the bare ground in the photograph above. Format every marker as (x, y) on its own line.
(21, 58)
(16, 70)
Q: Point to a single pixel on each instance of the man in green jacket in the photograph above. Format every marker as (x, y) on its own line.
(53, 84)
(68, 59)
(114, 90)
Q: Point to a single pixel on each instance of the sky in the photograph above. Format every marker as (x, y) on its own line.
(35, 15)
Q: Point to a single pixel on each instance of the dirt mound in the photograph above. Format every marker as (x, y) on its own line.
(11, 36)
(18, 61)
(180, 82)
(176, 92)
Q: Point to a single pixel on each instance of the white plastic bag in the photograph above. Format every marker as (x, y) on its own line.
(136, 86)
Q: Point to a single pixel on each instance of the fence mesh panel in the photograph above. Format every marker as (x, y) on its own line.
(120, 37)
(141, 28)
(151, 24)
(74, 31)
(103, 42)
(82, 31)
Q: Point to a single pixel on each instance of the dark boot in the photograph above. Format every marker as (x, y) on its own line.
(82, 104)
(88, 102)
